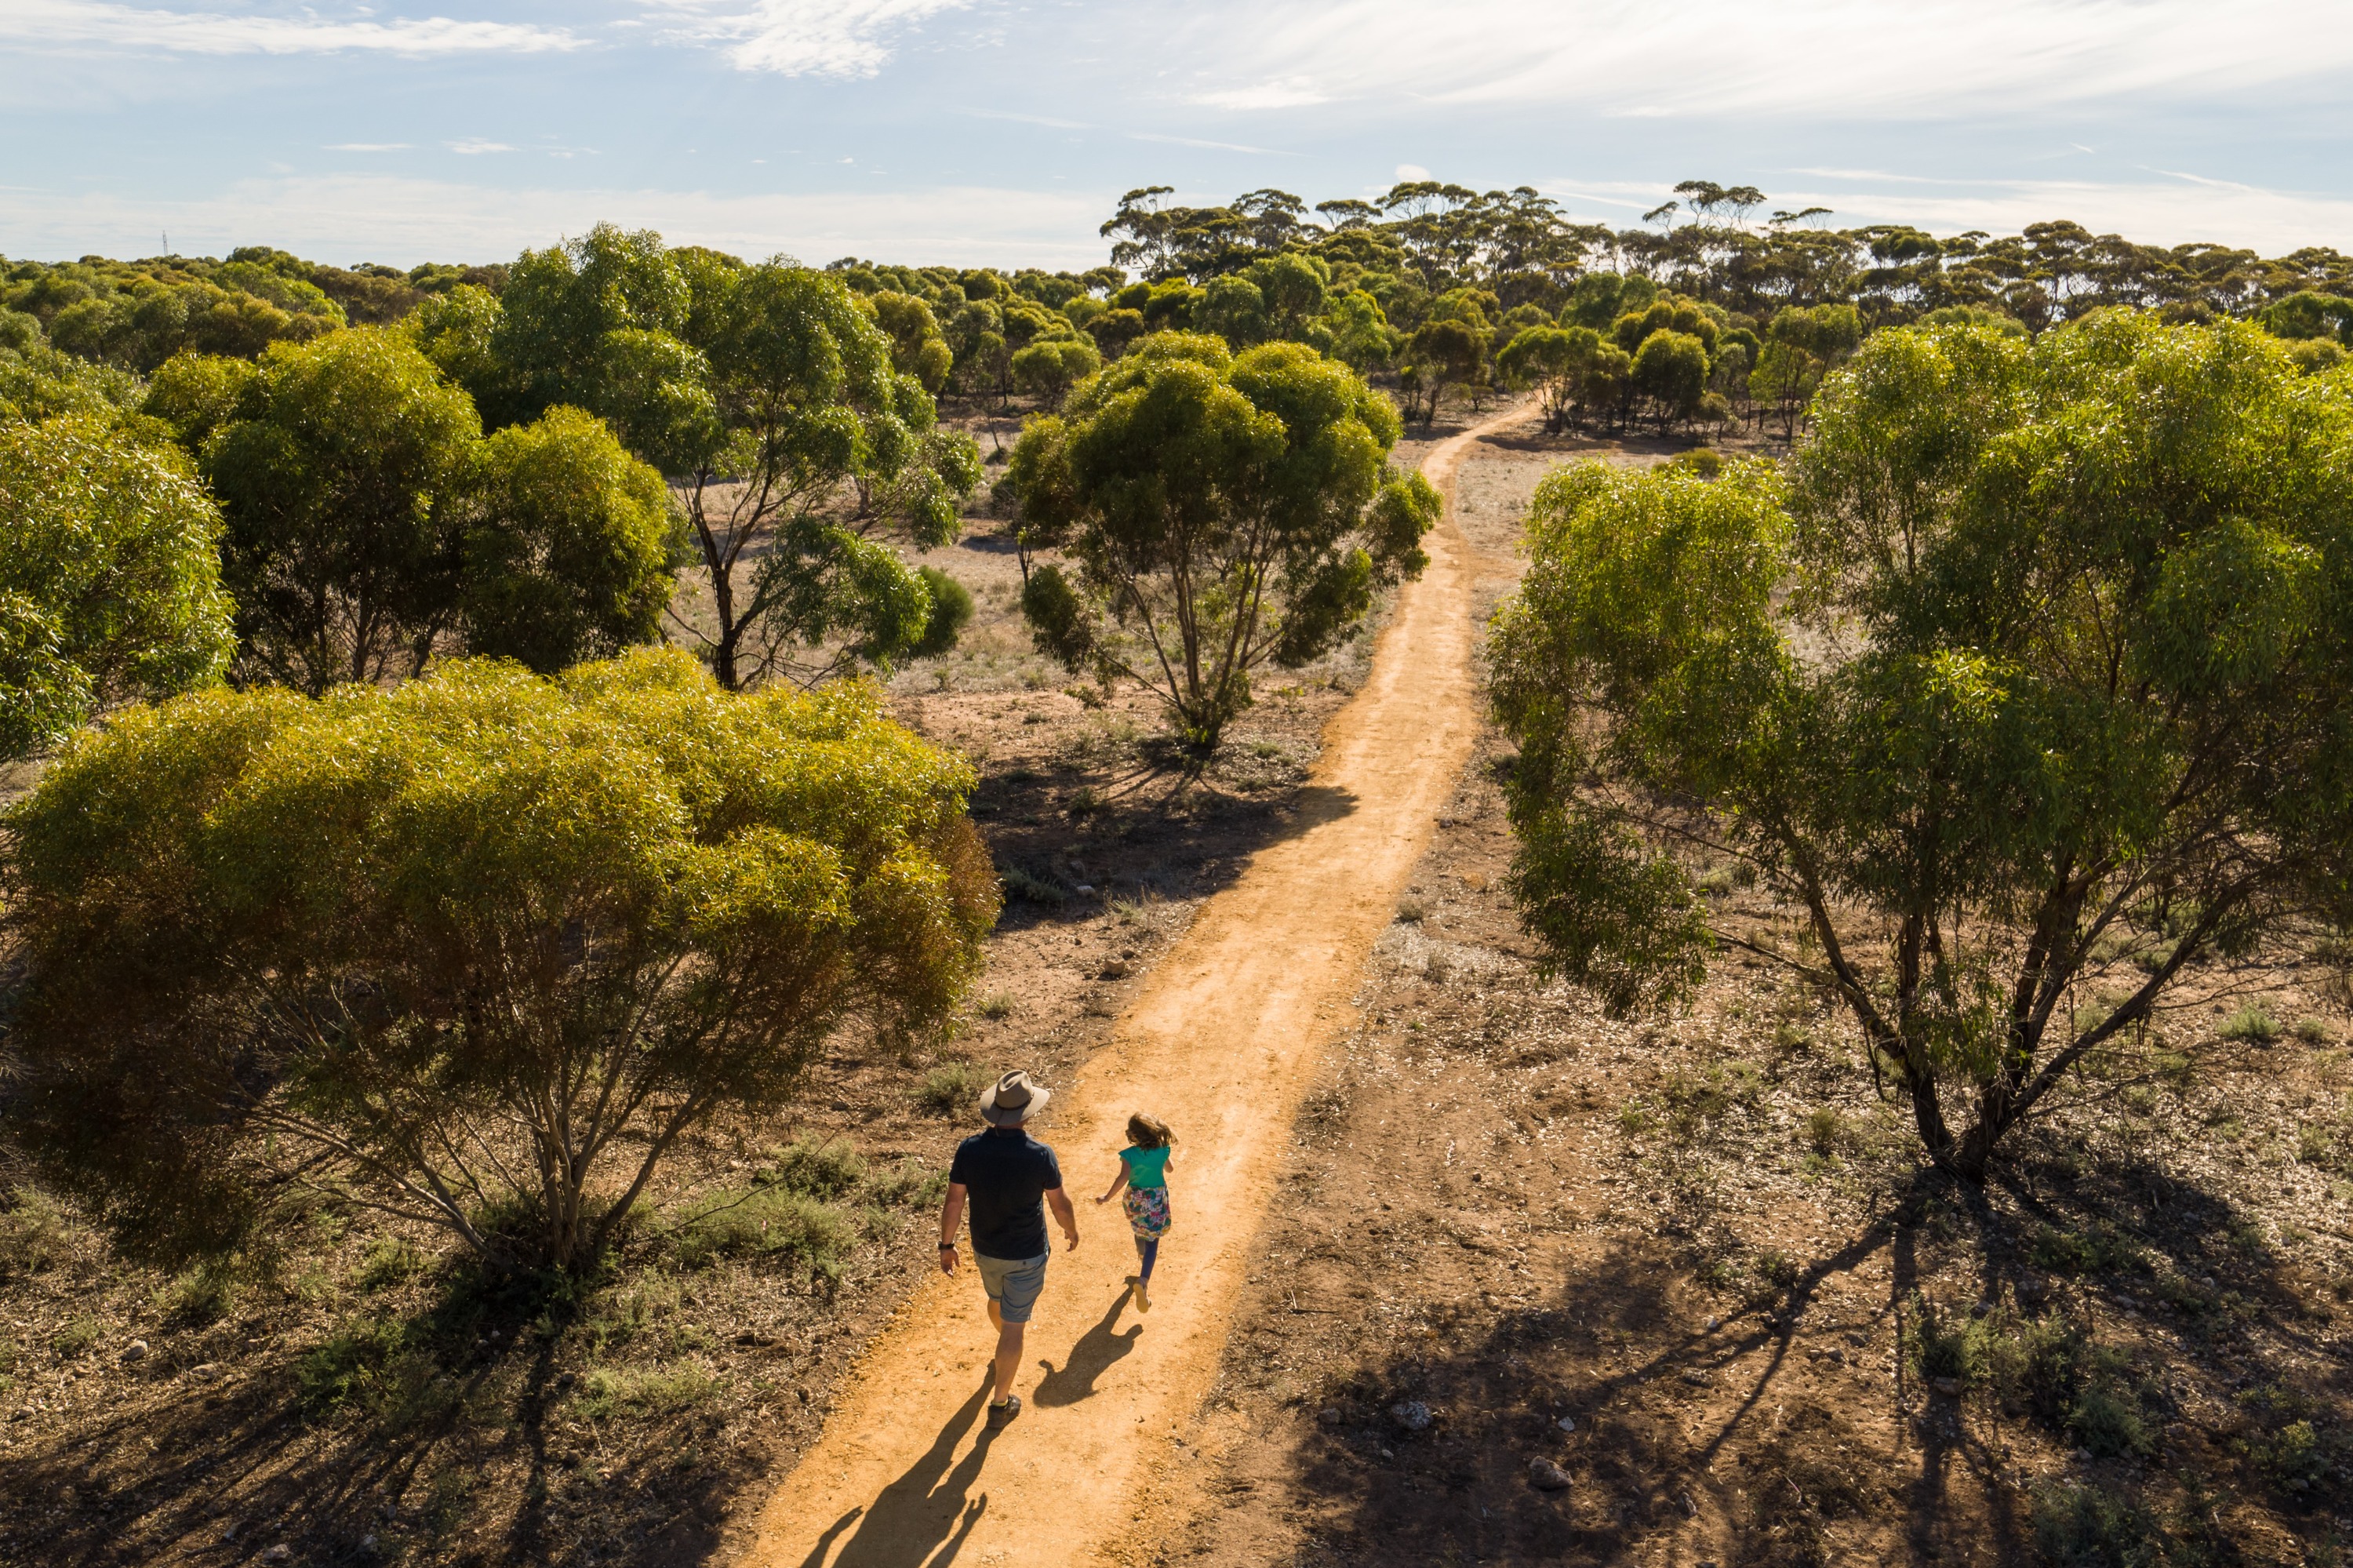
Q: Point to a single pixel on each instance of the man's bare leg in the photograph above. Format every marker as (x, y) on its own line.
(1008, 1355)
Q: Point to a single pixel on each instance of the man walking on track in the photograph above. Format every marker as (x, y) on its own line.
(1010, 1179)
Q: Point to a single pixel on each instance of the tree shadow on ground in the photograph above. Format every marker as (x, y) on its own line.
(1127, 851)
(225, 1471)
(1769, 1439)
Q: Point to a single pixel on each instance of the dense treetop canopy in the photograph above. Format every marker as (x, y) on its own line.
(110, 579)
(1352, 278)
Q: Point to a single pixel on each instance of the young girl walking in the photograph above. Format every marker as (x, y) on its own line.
(1144, 1171)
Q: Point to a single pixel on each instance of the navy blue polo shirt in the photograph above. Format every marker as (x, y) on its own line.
(1006, 1174)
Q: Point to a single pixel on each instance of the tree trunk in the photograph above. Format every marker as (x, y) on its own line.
(1928, 1119)
(723, 606)
(723, 660)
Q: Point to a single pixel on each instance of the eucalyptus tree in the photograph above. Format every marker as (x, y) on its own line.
(477, 952)
(109, 583)
(918, 347)
(1049, 368)
(804, 406)
(1671, 371)
(1578, 376)
(571, 547)
(1217, 512)
(1355, 332)
(369, 526)
(2028, 689)
(1802, 347)
(1444, 352)
(343, 470)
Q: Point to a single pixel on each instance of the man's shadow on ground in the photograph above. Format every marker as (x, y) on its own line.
(923, 1519)
(922, 1510)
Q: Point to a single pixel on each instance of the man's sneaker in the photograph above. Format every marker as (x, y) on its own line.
(999, 1415)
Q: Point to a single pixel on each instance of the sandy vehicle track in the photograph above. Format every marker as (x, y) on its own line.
(1223, 1043)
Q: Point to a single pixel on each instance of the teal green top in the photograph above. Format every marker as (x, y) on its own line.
(1146, 1167)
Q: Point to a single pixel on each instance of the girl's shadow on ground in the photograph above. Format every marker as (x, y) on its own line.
(1089, 1359)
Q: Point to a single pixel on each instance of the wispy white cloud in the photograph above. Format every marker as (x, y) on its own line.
(96, 23)
(474, 145)
(383, 217)
(1284, 92)
(367, 146)
(1808, 59)
(1212, 146)
(802, 38)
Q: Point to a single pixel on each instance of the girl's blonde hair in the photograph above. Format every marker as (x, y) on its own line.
(1149, 1131)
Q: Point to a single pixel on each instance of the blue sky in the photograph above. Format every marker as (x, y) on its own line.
(978, 131)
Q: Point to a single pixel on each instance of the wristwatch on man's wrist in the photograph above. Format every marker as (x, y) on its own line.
(947, 1246)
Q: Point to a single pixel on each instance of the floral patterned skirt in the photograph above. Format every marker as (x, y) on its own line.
(1147, 1211)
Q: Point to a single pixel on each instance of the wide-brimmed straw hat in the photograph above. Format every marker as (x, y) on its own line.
(1012, 1099)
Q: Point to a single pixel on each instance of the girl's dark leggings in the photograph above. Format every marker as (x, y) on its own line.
(1147, 1248)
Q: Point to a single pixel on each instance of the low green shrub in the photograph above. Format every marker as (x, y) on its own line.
(2107, 1419)
(827, 1168)
(2290, 1446)
(389, 1261)
(1019, 882)
(2319, 1143)
(2251, 1024)
(619, 1315)
(2089, 1249)
(952, 1088)
(350, 1362)
(32, 1232)
(910, 1183)
(198, 1296)
(380, 1367)
(2088, 1393)
(1759, 1278)
(1695, 1098)
(1942, 1344)
(2078, 1526)
(76, 1338)
(610, 1392)
(774, 1222)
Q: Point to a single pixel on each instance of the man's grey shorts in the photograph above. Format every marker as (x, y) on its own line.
(1012, 1283)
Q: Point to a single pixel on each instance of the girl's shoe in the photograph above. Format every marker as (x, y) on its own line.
(1142, 1301)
